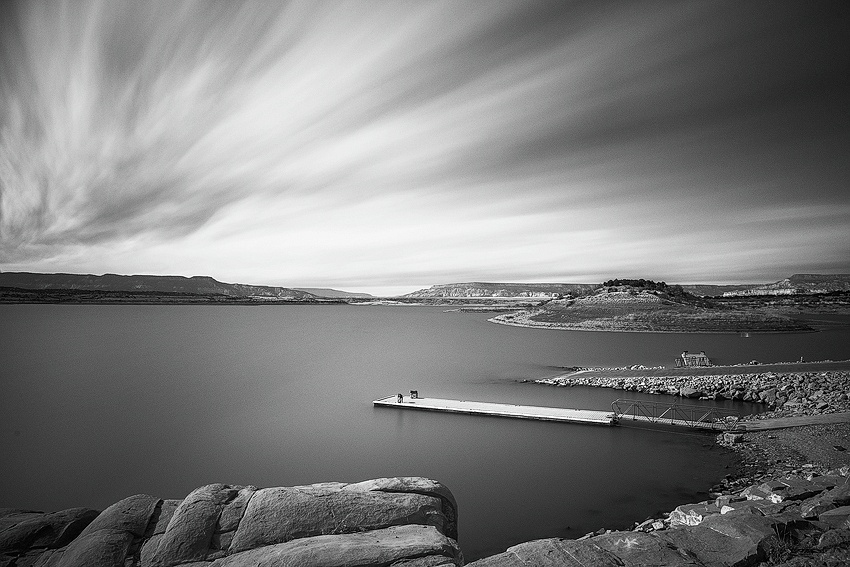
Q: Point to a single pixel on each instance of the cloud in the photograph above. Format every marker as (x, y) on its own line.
(303, 143)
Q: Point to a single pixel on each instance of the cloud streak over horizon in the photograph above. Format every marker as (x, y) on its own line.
(393, 144)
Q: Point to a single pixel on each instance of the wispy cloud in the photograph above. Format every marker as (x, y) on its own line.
(406, 143)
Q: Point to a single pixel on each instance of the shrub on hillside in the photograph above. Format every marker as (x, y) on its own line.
(662, 287)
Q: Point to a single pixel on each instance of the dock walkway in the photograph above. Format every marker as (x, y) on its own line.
(500, 410)
(673, 414)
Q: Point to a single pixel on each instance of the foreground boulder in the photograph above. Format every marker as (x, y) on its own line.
(395, 521)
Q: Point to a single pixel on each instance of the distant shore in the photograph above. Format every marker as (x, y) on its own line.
(11, 296)
(641, 310)
(524, 319)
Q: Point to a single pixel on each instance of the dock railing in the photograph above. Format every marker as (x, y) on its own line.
(666, 413)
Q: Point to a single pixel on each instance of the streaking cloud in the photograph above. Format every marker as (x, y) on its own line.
(411, 143)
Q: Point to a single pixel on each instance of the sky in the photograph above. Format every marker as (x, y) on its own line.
(389, 146)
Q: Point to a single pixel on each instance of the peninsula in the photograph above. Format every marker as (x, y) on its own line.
(648, 306)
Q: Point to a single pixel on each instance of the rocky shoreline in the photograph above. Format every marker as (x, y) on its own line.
(791, 515)
(794, 519)
(802, 513)
(783, 393)
(789, 499)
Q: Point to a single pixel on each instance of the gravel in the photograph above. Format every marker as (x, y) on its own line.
(814, 447)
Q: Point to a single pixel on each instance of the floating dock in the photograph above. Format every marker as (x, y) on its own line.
(500, 410)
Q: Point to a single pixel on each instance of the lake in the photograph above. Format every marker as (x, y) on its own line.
(100, 402)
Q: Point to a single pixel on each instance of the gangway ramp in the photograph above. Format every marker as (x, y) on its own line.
(666, 413)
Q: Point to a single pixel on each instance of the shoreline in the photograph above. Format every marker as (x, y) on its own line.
(791, 512)
(527, 324)
(786, 389)
(636, 369)
(789, 492)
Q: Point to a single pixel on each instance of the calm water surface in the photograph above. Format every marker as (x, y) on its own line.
(101, 402)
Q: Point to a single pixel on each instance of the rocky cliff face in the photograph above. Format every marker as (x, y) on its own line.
(796, 284)
(813, 283)
(500, 290)
(408, 521)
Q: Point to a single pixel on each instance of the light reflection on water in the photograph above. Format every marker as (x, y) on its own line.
(101, 402)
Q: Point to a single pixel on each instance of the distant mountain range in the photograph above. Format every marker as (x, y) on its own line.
(205, 285)
(334, 293)
(802, 283)
(796, 284)
(200, 285)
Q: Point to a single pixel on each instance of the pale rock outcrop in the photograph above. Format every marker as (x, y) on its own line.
(692, 514)
(405, 522)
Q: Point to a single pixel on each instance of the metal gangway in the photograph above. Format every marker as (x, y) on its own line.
(666, 413)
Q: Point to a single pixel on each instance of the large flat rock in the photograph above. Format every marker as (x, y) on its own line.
(402, 545)
(278, 515)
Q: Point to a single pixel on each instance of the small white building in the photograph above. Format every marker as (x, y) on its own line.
(689, 359)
